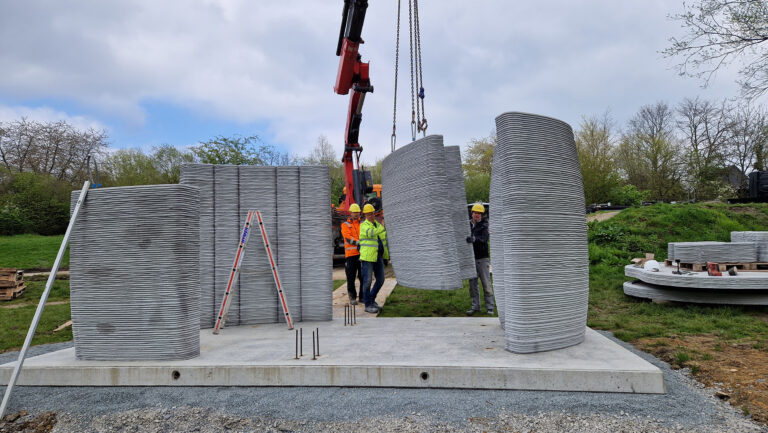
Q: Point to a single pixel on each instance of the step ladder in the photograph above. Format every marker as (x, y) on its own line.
(239, 255)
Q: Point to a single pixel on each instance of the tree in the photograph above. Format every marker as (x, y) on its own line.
(55, 148)
(706, 128)
(239, 150)
(648, 153)
(478, 157)
(720, 32)
(168, 160)
(134, 167)
(595, 145)
(324, 154)
(747, 145)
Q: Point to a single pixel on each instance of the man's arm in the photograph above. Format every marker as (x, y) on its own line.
(481, 235)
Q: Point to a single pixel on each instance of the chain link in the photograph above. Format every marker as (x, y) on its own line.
(397, 66)
(411, 51)
(423, 119)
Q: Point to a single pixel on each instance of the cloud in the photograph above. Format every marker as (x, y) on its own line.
(46, 114)
(273, 62)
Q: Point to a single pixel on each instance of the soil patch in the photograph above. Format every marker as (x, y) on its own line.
(22, 422)
(738, 371)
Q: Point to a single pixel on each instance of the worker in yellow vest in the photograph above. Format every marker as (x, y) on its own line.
(350, 231)
(373, 252)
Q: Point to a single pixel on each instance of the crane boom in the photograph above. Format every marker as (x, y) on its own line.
(352, 75)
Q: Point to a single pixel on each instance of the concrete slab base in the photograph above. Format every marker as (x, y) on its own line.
(396, 352)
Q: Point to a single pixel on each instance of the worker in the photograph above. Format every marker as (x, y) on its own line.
(350, 231)
(373, 252)
(343, 195)
(479, 241)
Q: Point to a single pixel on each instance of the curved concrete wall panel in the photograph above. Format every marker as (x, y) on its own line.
(457, 197)
(418, 216)
(699, 280)
(135, 286)
(538, 233)
(640, 289)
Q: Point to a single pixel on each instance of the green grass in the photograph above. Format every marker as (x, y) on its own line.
(338, 283)
(59, 292)
(408, 302)
(30, 252)
(632, 233)
(15, 323)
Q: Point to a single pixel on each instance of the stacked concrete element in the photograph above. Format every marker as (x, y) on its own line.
(700, 281)
(316, 244)
(760, 239)
(135, 286)
(418, 214)
(644, 290)
(457, 196)
(538, 234)
(702, 252)
(291, 196)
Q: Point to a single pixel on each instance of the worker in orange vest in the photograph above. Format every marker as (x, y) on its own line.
(350, 231)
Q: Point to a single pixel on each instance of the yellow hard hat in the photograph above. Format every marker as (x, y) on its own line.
(368, 208)
(478, 208)
(354, 207)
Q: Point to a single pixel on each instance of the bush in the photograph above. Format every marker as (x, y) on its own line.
(33, 203)
(629, 195)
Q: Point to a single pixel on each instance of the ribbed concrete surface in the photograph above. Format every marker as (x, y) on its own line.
(760, 240)
(457, 197)
(418, 216)
(709, 251)
(303, 252)
(538, 234)
(640, 289)
(134, 274)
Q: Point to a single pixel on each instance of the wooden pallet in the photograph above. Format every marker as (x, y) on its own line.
(722, 267)
(12, 293)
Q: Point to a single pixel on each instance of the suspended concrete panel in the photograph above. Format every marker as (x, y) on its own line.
(418, 217)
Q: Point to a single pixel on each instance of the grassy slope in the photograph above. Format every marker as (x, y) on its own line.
(15, 321)
(613, 243)
(30, 252)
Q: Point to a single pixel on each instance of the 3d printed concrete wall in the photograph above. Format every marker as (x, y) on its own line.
(760, 239)
(419, 212)
(707, 251)
(134, 282)
(457, 197)
(296, 197)
(538, 234)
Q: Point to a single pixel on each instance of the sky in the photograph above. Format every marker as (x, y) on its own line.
(181, 72)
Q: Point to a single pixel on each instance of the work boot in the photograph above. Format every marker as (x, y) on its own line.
(490, 311)
(353, 302)
(371, 309)
(471, 312)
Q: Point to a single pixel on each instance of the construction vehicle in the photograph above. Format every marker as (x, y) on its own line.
(353, 76)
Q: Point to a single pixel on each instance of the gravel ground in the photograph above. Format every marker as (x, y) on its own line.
(687, 407)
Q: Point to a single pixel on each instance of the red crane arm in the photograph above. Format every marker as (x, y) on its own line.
(352, 75)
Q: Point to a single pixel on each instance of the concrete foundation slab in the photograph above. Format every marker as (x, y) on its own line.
(396, 352)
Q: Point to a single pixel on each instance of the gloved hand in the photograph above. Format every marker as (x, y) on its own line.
(469, 239)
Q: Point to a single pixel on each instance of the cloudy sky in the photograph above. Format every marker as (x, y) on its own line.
(152, 72)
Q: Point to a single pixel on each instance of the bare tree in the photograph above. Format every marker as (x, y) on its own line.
(706, 128)
(720, 32)
(55, 148)
(748, 141)
(595, 144)
(648, 153)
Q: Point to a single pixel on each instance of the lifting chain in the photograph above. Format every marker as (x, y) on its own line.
(418, 113)
(397, 65)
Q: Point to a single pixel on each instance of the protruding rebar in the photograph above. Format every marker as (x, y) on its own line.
(314, 354)
(301, 341)
(297, 344)
(318, 341)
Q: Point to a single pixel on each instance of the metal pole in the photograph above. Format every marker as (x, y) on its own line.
(43, 299)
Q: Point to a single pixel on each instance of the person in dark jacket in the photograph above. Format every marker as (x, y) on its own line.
(479, 241)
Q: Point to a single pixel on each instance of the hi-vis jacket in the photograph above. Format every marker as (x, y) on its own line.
(370, 234)
(350, 231)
